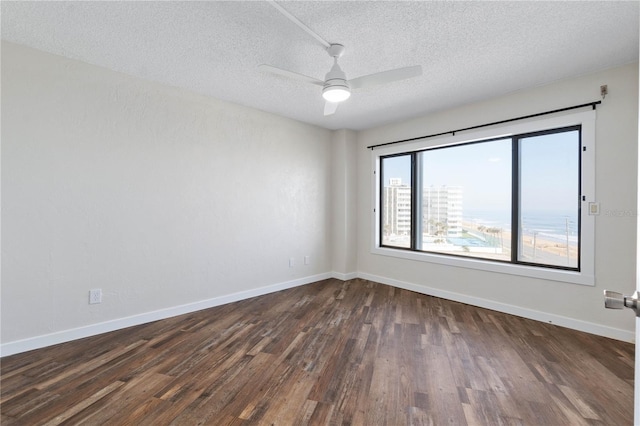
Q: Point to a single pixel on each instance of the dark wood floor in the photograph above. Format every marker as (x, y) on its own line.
(333, 352)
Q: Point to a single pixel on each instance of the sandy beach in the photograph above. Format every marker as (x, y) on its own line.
(535, 248)
(542, 245)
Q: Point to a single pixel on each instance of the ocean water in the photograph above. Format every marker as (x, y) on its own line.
(550, 224)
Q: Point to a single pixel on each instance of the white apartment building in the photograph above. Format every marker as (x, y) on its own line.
(441, 210)
(397, 208)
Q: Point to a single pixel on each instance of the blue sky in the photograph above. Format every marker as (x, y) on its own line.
(548, 171)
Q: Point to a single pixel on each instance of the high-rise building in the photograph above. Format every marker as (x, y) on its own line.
(441, 210)
(397, 208)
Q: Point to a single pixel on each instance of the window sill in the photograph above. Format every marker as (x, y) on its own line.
(560, 275)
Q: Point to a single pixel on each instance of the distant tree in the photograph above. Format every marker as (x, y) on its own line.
(441, 228)
(494, 235)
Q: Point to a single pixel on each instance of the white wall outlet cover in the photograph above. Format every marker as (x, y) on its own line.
(95, 296)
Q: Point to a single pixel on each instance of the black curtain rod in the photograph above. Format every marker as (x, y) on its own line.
(524, 117)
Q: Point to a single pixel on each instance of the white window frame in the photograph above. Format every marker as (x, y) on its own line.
(586, 275)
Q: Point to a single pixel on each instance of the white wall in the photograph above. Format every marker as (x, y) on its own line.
(170, 202)
(344, 204)
(567, 304)
(158, 196)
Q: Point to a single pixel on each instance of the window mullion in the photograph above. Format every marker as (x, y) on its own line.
(515, 198)
(415, 200)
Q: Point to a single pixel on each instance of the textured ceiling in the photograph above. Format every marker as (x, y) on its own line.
(469, 51)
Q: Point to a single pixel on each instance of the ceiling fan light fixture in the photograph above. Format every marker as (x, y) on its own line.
(336, 93)
(336, 88)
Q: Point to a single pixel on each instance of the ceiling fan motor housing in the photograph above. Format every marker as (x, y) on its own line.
(336, 88)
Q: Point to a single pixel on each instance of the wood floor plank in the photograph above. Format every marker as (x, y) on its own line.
(328, 353)
(75, 409)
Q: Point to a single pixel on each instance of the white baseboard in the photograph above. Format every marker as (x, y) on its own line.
(344, 277)
(38, 342)
(588, 327)
(42, 341)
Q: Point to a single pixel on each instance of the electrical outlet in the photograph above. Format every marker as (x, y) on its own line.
(292, 262)
(307, 260)
(95, 296)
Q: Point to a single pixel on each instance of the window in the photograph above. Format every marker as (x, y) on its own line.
(466, 199)
(396, 202)
(510, 203)
(549, 198)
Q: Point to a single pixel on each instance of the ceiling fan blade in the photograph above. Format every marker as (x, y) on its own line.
(299, 23)
(330, 108)
(290, 74)
(385, 77)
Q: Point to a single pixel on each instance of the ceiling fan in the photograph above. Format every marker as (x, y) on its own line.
(335, 86)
